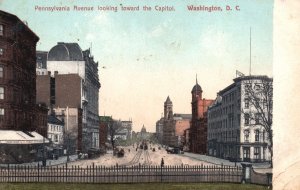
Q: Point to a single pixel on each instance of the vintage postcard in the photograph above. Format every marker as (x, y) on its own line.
(145, 91)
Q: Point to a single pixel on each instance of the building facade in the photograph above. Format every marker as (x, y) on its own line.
(232, 133)
(169, 138)
(198, 129)
(55, 131)
(74, 83)
(18, 108)
(20, 117)
(181, 124)
(170, 128)
(56, 135)
(159, 130)
(127, 126)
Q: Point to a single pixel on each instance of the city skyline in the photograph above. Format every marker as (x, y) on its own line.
(141, 63)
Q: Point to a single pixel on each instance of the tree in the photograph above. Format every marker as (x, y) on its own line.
(258, 96)
(113, 128)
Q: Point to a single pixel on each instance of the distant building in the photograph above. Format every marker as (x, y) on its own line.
(173, 125)
(18, 108)
(186, 140)
(168, 128)
(231, 134)
(127, 127)
(181, 123)
(159, 130)
(72, 82)
(198, 129)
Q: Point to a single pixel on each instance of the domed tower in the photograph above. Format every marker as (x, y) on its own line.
(168, 109)
(196, 91)
(196, 97)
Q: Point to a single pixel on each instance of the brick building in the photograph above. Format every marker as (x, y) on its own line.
(173, 126)
(198, 130)
(18, 109)
(61, 93)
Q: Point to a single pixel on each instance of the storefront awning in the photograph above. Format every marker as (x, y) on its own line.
(20, 137)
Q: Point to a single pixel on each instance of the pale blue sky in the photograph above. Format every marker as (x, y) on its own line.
(150, 55)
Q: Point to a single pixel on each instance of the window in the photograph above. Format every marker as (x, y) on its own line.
(1, 93)
(246, 153)
(257, 118)
(257, 153)
(55, 138)
(256, 135)
(1, 114)
(1, 51)
(1, 30)
(257, 101)
(246, 103)
(1, 71)
(246, 135)
(247, 118)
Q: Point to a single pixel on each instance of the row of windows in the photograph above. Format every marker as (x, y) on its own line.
(221, 111)
(56, 128)
(248, 119)
(229, 97)
(55, 137)
(227, 136)
(257, 135)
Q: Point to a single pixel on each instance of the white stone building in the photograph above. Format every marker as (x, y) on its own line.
(69, 59)
(55, 130)
(232, 132)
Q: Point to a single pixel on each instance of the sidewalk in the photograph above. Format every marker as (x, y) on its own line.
(220, 161)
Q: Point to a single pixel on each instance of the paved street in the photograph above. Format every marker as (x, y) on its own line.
(155, 159)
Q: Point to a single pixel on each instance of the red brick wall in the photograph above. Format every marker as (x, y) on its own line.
(19, 77)
(67, 90)
(43, 89)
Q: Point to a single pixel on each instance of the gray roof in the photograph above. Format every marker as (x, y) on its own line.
(65, 52)
(168, 100)
(197, 88)
(53, 120)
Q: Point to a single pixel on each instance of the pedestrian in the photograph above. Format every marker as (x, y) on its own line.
(162, 163)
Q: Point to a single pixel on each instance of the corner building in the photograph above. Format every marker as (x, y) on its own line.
(18, 108)
(232, 135)
(72, 83)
